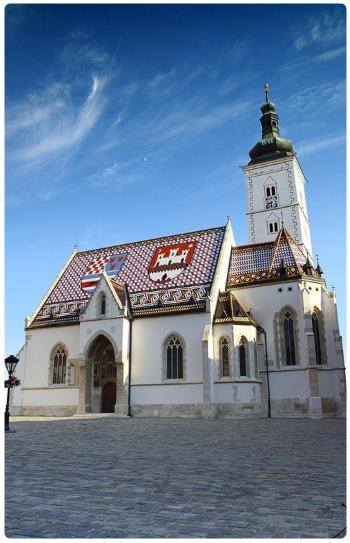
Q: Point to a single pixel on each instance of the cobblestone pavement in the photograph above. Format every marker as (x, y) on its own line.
(115, 477)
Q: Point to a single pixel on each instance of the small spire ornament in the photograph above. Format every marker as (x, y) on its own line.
(266, 90)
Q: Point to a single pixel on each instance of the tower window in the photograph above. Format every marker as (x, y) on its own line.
(271, 197)
(272, 227)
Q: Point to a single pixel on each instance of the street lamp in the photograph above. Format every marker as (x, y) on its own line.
(10, 363)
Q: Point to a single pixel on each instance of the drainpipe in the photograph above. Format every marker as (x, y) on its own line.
(129, 376)
(129, 317)
(262, 331)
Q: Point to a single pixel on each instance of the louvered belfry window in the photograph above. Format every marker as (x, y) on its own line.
(59, 366)
(174, 358)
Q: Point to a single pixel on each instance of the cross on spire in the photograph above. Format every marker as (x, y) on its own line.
(266, 89)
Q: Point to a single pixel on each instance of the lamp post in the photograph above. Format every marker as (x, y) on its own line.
(10, 363)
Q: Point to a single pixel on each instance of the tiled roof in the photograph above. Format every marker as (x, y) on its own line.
(259, 262)
(159, 273)
(230, 310)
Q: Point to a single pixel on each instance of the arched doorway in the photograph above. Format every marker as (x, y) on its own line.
(101, 377)
(109, 395)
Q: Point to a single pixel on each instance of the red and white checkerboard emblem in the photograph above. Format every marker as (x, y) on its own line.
(170, 260)
(111, 264)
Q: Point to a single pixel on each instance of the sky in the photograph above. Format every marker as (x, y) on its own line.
(127, 122)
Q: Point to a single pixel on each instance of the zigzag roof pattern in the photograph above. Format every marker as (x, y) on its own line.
(160, 274)
(267, 261)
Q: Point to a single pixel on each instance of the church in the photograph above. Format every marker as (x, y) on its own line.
(193, 325)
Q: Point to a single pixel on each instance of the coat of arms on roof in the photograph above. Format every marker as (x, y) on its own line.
(111, 265)
(170, 260)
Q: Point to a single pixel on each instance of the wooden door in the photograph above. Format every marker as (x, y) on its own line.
(109, 397)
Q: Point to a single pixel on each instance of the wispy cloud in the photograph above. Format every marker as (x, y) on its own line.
(311, 146)
(52, 125)
(328, 27)
(305, 61)
(119, 174)
(330, 94)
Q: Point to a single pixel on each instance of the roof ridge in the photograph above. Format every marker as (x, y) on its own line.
(140, 242)
(260, 244)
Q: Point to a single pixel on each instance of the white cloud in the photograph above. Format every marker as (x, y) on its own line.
(52, 125)
(118, 174)
(319, 95)
(327, 27)
(189, 119)
(311, 146)
(305, 61)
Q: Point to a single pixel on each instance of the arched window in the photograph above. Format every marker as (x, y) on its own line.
(224, 358)
(103, 304)
(289, 339)
(273, 191)
(59, 366)
(317, 337)
(268, 193)
(243, 357)
(174, 350)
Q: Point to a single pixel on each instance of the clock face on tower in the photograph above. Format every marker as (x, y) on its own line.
(271, 202)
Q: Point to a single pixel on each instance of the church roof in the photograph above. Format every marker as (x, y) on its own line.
(229, 310)
(258, 262)
(161, 275)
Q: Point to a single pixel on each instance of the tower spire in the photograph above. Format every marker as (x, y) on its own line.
(271, 145)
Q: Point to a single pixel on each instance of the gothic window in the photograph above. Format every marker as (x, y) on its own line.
(243, 358)
(174, 355)
(273, 191)
(103, 304)
(287, 337)
(317, 337)
(289, 340)
(59, 366)
(224, 357)
(268, 191)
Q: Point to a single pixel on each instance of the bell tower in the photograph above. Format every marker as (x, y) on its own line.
(276, 185)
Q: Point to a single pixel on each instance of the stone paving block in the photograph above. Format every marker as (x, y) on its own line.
(112, 478)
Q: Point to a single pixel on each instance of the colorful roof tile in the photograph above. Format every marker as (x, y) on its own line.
(230, 310)
(267, 261)
(168, 272)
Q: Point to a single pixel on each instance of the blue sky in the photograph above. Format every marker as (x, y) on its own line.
(129, 122)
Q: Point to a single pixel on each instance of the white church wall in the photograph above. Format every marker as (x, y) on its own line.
(175, 394)
(288, 383)
(148, 361)
(40, 342)
(267, 300)
(57, 396)
(220, 277)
